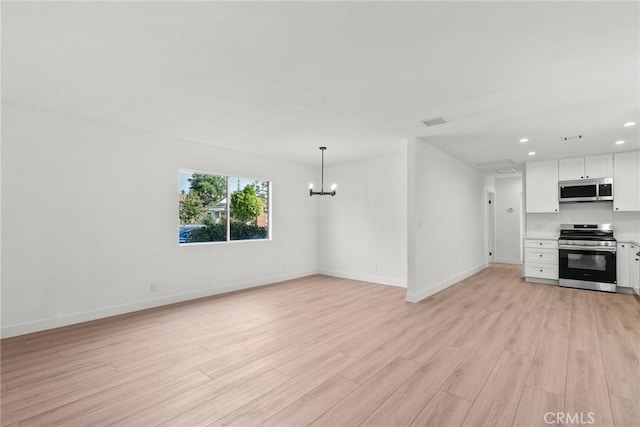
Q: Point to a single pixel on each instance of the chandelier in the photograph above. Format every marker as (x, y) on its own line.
(322, 192)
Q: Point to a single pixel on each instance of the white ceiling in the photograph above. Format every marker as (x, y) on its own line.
(283, 78)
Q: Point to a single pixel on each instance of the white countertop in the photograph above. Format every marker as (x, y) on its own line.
(542, 236)
(628, 237)
(620, 237)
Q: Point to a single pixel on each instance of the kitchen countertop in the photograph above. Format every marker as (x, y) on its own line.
(541, 236)
(628, 237)
(620, 237)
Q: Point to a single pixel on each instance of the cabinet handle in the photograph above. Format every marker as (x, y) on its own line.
(540, 255)
(616, 208)
(581, 177)
(622, 246)
(540, 271)
(540, 244)
(556, 210)
(587, 176)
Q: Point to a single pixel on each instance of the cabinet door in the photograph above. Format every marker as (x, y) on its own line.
(626, 181)
(634, 268)
(571, 169)
(542, 186)
(598, 166)
(622, 265)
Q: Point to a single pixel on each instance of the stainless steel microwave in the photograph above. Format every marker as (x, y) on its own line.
(586, 190)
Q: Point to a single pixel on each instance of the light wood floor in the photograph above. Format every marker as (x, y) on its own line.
(490, 350)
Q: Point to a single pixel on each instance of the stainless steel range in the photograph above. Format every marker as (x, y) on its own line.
(587, 257)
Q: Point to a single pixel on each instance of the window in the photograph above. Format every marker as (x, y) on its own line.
(207, 216)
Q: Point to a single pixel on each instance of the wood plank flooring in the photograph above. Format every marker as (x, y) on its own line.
(489, 350)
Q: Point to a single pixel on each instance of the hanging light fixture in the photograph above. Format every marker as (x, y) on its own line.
(322, 192)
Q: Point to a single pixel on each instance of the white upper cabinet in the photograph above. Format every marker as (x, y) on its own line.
(626, 182)
(542, 186)
(598, 166)
(586, 167)
(571, 169)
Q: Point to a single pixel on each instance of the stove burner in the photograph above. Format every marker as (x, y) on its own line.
(587, 234)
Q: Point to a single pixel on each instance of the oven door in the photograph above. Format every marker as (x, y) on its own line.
(593, 267)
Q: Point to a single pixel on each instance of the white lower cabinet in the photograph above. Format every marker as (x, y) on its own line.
(622, 265)
(628, 266)
(541, 271)
(540, 259)
(634, 276)
(634, 268)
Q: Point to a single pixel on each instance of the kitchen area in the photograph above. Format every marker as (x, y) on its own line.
(582, 222)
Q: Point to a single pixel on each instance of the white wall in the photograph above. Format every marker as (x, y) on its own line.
(90, 218)
(626, 225)
(508, 214)
(447, 220)
(362, 231)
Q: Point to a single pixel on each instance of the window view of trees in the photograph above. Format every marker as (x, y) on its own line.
(249, 209)
(206, 216)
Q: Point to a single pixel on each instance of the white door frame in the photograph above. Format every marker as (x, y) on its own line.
(491, 227)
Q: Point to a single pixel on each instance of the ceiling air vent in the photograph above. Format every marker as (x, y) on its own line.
(505, 171)
(494, 164)
(571, 138)
(436, 121)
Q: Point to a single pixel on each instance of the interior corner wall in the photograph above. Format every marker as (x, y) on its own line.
(90, 220)
(508, 214)
(447, 226)
(362, 230)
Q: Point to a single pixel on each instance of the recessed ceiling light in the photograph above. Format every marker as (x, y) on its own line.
(629, 124)
(619, 142)
(524, 140)
(532, 153)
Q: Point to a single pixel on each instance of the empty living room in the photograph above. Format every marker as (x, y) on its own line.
(294, 213)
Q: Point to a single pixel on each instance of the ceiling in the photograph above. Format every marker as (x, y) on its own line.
(283, 78)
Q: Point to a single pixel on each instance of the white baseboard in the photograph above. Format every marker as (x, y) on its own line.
(543, 281)
(71, 319)
(381, 280)
(417, 297)
(508, 261)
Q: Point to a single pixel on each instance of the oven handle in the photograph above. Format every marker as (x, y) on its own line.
(588, 248)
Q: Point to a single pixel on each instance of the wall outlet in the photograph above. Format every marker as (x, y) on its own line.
(153, 287)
